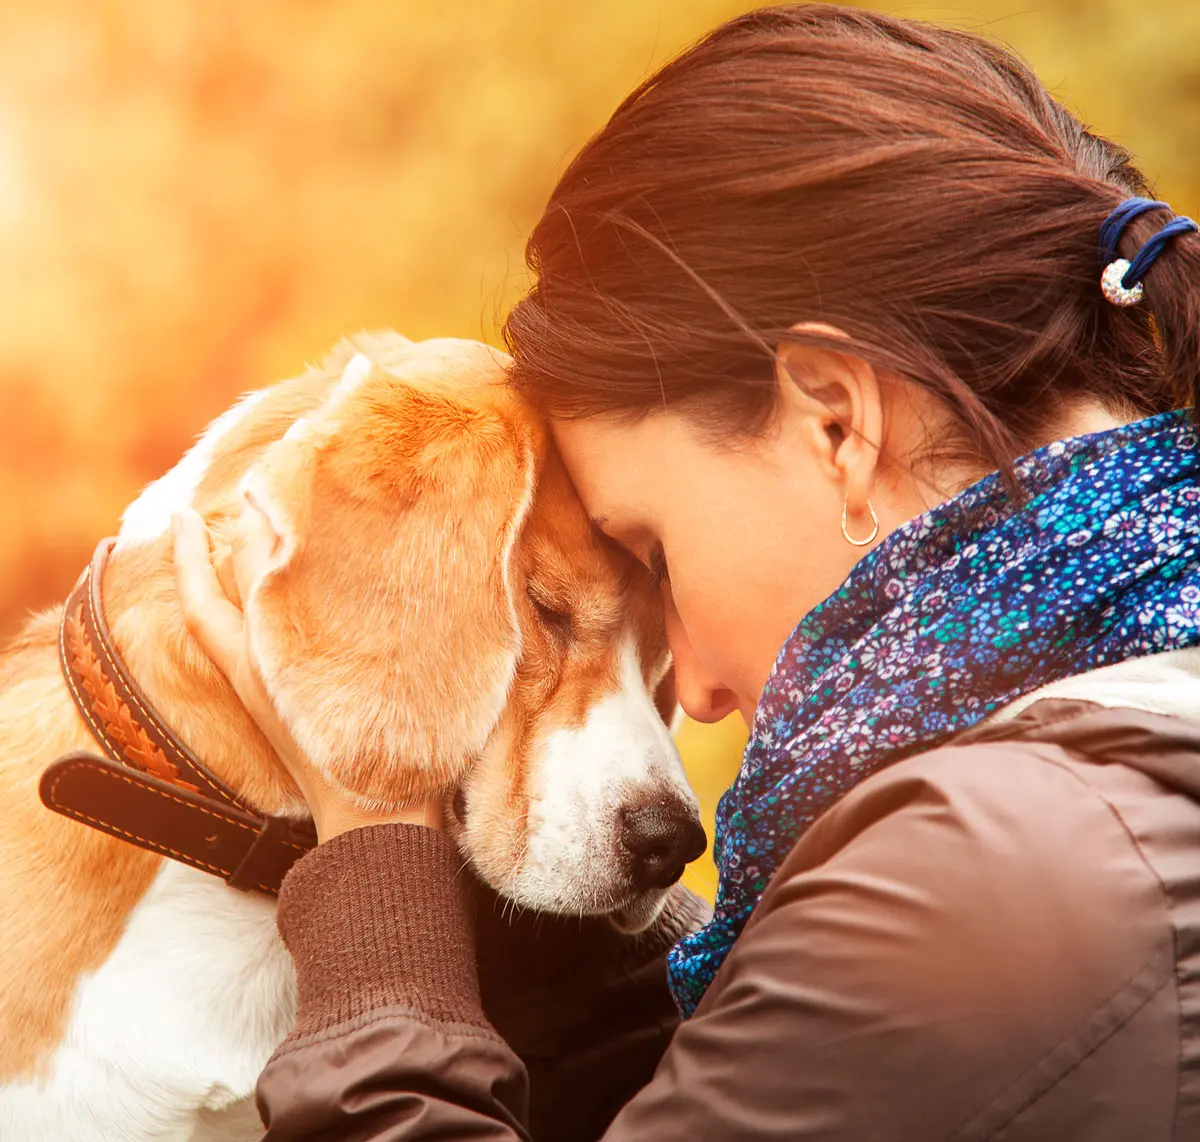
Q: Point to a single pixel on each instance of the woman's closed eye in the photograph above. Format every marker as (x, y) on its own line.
(653, 558)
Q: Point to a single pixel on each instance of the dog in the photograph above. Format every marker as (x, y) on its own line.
(438, 615)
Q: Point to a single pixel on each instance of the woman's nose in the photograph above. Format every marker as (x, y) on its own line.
(701, 695)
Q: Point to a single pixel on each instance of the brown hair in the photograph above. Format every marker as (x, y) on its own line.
(914, 186)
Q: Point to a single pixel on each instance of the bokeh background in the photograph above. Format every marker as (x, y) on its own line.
(197, 198)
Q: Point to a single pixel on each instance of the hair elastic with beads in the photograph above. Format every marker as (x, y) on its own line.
(1121, 281)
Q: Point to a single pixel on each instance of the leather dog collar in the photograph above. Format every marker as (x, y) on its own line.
(151, 790)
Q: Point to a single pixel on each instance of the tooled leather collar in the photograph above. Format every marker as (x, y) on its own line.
(150, 789)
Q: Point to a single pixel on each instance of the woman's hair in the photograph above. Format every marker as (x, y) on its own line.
(913, 186)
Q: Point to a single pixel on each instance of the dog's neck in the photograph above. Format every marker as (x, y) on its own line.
(71, 903)
(190, 695)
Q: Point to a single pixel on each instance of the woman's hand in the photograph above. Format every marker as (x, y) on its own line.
(218, 625)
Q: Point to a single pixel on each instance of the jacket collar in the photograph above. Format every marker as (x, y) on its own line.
(1143, 713)
(1167, 683)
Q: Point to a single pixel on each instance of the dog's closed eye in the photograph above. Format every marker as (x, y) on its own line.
(553, 615)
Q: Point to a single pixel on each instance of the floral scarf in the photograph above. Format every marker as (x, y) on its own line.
(953, 616)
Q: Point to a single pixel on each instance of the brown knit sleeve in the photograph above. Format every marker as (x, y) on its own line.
(377, 918)
(391, 937)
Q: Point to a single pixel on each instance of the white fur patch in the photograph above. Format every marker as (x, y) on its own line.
(167, 1038)
(357, 370)
(582, 778)
(149, 516)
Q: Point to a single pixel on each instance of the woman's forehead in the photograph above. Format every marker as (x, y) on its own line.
(613, 464)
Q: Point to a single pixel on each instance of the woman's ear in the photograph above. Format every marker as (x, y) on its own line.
(836, 399)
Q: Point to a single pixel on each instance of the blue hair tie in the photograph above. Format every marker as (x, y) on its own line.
(1121, 281)
(1114, 225)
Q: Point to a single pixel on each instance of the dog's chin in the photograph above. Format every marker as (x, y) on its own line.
(634, 914)
(637, 914)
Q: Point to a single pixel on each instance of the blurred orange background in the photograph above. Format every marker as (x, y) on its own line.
(196, 199)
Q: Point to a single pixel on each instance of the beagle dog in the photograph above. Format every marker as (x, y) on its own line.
(438, 616)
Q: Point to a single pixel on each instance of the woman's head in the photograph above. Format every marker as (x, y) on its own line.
(825, 257)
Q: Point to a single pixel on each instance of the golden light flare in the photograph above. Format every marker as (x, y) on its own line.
(195, 200)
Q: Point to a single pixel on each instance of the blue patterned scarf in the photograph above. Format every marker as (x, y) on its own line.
(953, 616)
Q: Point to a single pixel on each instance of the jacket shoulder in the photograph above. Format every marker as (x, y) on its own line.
(1011, 844)
(982, 909)
(1020, 838)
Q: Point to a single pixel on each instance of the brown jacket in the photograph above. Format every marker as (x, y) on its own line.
(996, 939)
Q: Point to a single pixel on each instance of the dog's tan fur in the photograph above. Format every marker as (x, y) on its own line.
(390, 673)
(92, 880)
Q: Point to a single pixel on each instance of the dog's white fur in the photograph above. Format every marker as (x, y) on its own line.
(573, 791)
(149, 516)
(166, 1038)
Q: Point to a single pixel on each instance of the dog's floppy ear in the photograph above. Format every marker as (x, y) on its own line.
(385, 624)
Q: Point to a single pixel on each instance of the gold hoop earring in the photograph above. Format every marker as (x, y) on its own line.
(845, 525)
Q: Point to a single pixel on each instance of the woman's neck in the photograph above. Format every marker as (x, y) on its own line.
(941, 479)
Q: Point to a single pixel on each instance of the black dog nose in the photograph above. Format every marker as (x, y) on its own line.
(661, 839)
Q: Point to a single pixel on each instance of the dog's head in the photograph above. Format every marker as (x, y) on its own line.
(439, 616)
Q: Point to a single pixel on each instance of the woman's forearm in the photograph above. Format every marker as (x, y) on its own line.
(390, 1039)
(393, 1038)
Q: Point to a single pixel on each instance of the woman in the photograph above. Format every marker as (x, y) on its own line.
(820, 326)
